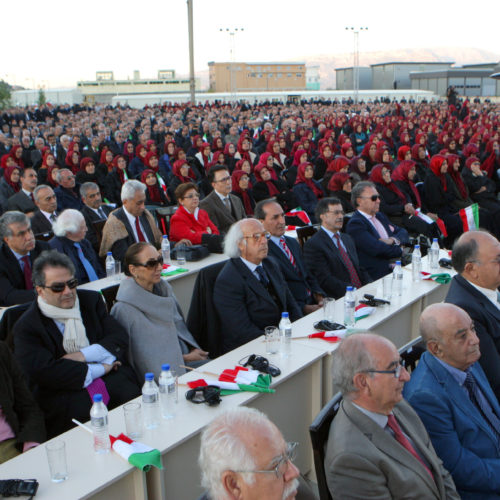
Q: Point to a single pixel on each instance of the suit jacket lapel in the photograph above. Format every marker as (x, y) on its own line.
(485, 302)
(369, 225)
(252, 281)
(14, 263)
(334, 251)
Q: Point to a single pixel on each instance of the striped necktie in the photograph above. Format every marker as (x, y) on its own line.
(287, 251)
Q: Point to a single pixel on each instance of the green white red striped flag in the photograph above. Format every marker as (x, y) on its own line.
(470, 217)
(362, 311)
(427, 219)
(137, 454)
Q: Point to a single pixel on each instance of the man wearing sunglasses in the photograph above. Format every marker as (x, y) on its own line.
(378, 446)
(250, 292)
(378, 242)
(70, 347)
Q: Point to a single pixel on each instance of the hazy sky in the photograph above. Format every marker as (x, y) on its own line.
(57, 43)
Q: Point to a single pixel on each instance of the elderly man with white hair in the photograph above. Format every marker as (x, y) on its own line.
(250, 292)
(69, 238)
(131, 223)
(243, 456)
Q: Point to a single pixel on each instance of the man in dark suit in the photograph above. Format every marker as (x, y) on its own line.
(69, 238)
(476, 258)
(378, 242)
(129, 224)
(70, 352)
(24, 201)
(21, 419)
(46, 215)
(250, 292)
(377, 446)
(67, 192)
(62, 150)
(451, 394)
(93, 210)
(287, 254)
(331, 255)
(92, 151)
(18, 251)
(223, 208)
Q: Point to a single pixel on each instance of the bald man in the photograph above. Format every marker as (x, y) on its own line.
(476, 257)
(365, 457)
(452, 396)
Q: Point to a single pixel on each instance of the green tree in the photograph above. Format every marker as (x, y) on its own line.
(4, 94)
(42, 99)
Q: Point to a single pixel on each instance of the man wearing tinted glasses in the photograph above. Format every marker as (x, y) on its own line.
(378, 242)
(70, 347)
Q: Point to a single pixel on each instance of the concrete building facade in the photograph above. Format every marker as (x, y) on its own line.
(312, 78)
(344, 78)
(263, 76)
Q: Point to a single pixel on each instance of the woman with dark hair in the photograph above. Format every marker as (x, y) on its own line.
(137, 165)
(340, 186)
(146, 307)
(115, 179)
(307, 191)
(190, 222)
(267, 187)
(439, 196)
(242, 189)
(9, 185)
(154, 194)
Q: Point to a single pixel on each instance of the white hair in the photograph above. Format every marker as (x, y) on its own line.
(68, 221)
(222, 449)
(231, 240)
(131, 187)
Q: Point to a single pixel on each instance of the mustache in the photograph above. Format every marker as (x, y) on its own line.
(290, 489)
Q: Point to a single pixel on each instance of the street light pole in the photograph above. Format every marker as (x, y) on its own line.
(191, 52)
(355, 68)
(232, 50)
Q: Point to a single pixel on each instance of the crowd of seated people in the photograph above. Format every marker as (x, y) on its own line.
(396, 168)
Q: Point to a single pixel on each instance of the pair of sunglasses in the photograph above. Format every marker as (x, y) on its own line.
(152, 263)
(59, 287)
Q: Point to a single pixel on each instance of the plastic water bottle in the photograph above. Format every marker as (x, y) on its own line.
(165, 250)
(416, 264)
(349, 307)
(434, 254)
(99, 424)
(398, 279)
(150, 402)
(168, 392)
(285, 327)
(110, 265)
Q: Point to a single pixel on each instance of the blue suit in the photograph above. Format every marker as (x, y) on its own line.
(375, 255)
(460, 434)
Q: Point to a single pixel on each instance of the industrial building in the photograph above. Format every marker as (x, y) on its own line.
(344, 78)
(263, 76)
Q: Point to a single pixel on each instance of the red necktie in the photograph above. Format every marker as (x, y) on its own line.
(140, 236)
(403, 441)
(287, 251)
(28, 283)
(348, 263)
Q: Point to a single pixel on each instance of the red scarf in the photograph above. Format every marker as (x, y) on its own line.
(376, 176)
(301, 177)
(235, 179)
(154, 190)
(401, 174)
(273, 190)
(435, 166)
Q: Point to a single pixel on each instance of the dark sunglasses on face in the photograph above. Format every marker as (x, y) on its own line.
(374, 197)
(152, 263)
(60, 287)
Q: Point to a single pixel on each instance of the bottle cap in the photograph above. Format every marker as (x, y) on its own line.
(165, 367)
(349, 288)
(398, 263)
(149, 376)
(434, 240)
(109, 253)
(417, 246)
(165, 236)
(284, 314)
(97, 398)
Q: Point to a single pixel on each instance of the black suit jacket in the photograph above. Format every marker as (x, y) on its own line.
(21, 202)
(66, 246)
(375, 255)
(298, 279)
(90, 217)
(325, 263)
(12, 287)
(244, 305)
(18, 404)
(486, 317)
(57, 382)
(40, 224)
(65, 199)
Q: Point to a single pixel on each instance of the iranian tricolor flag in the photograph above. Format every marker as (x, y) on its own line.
(329, 336)
(235, 380)
(470, 217)
(137, 454)
(362, 311)
(301, 214)
(442, 278)
(427, 219)
(162, 184)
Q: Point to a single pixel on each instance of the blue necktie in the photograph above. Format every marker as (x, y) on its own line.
(262, 275)
(86, 264)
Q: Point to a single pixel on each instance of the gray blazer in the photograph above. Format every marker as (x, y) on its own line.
(218, 212)
(156, 328)
(365, 462)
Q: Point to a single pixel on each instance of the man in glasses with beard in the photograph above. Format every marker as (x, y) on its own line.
(378, 242)
(70, 347)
